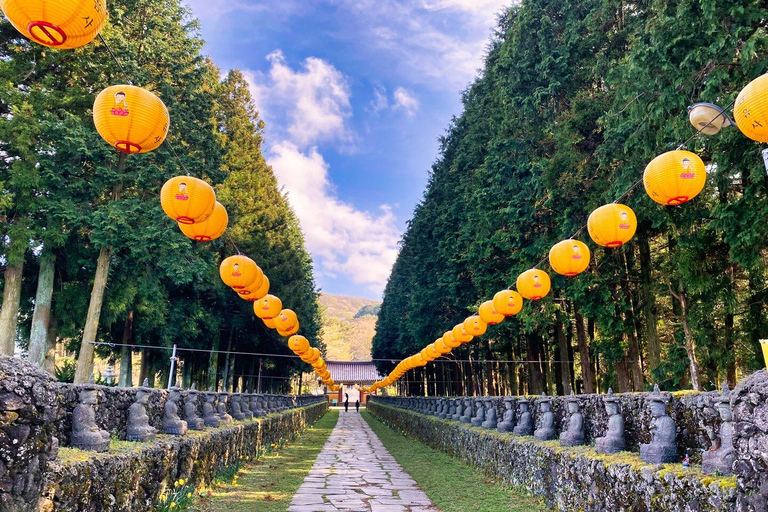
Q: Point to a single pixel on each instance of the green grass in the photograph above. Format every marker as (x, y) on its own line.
(452, 485)
(268, 485)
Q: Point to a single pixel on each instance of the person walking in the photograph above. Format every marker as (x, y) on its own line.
(357, 405)
(346, 402)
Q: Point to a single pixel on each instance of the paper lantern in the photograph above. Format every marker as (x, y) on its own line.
(461, 334)
(312, 355)
(61, 24)
(290, 331)
(318, 364)
(751, 109)
(441, 347)
(533, 284)
(210, 229)
(612, 225)
(569, 257)
(267, 307)
(675, 177)
(488, 313)
(764, 344)
(449, 340)
(298, 344)
(508, 302)
(428, 355)
(475, 326)
(256, 290)
(418, 360)
(131, 119)
(270, 322)
(189, 200)
(325, 375)
(286, 319)
(238, 272)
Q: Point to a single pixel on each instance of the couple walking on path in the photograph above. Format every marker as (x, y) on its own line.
(346, 403)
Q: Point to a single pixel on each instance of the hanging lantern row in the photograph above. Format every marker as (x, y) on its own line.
(310, 355)
(63, 24)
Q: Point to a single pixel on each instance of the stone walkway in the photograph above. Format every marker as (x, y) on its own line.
(355, 472)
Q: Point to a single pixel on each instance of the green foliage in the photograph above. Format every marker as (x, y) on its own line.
(178, 498)
(65, 371)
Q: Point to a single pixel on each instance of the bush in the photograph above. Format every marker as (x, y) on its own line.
(65, 372)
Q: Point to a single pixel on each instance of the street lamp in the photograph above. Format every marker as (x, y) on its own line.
(708, 118)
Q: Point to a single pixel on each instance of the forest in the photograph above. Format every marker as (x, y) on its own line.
(89, 258)
(573, 101)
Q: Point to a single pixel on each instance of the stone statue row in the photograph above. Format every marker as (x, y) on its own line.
(481, 412)
(218, 409)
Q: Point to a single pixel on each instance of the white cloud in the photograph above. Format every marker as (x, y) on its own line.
(342, 239)
(380, 101)
(406, 101)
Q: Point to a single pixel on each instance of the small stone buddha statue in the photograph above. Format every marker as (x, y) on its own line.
(257, 407)
(138, 428)
(210, 417)
(719, 458)
(507, 422)
(458, 409)
(172, 424)
(491, 418)
(245, 405)
(194, 421)
(613, 441)
(546, 430)
(451, 409)
(663, 445)
(574, 434)
(525, 425)
(235, 405)
(221, 409)
(479, 418)
(466, 415)
(86, 435)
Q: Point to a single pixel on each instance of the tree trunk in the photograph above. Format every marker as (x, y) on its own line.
(38, 336)
(85, 358)
(213, 362)
(49, 362)
(648, 307)
(690, 344)
(633, 344)
(9, 313)
(562, 346)
(143, 368)
(535, 374)
(126, 354)
(622, 375)
(584, 357)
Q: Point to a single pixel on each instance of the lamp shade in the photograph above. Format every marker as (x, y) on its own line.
(441, 347)
(298, 344)
(286, 319)
(461, 334)
(488, 313)
(675, 177)
(267, 307)
(533, 284)
(131, 119)
(612, 225)
(256, 290)
(569, 257)
(429, 355)
(238, 272)
(209, 229)
(189, 200)
(449, 340)
(475, 326)
(751, 109)
(290, 331)
(62, 24)
(508, 302)
(270, 322)
(312, 355)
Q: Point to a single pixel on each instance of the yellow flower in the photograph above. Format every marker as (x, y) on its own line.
(241, 457)
(173, 504)
(189, 495)
(181, 482)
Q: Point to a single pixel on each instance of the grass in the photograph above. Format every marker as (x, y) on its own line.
(452, 485)
(268, 485)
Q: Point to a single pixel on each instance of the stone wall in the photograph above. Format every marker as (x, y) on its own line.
(750, 440)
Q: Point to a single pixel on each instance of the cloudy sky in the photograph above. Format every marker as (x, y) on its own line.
(355, 94)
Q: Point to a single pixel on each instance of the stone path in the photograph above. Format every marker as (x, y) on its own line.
(354, 472)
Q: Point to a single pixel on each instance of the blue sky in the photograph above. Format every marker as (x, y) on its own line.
(355, 94)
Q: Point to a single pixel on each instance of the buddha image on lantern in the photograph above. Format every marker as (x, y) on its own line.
(687, 174)
(536, 283)
(576, 252)
(182, 195)
(121, 106)
(624, 221)
(236, 270)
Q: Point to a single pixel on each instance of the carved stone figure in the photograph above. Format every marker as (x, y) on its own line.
(221, 409)
(458, 409)
(257, 407)
(138, 428)
(719, 458)
(491, 418)
(613, 441)
(507, 422)
(663, 445)
(194, 421)
(245, 406)
(574, 434)
(466, 415)
(210, 417)
(172, 424)
(525, 425)
(546, 430)
(235, 405)
(86, 435)
(480, 416)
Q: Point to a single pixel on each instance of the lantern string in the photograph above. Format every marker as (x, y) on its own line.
(114, 57)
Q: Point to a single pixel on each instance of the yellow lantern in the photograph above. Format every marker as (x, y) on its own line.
(441, 347)
(210, 229)
(290, 331)
(751, 109)
(418, 360)
(488, 313)
(267, 307)
(286, 319)
(475, 326)
(311, 355)
(428, 355)
(270, 323)
(131, 119)
(612, 225)
(569, 257)
(299, 344)
(189, 200)
(61, 24)
(449, 340)
(533, 284)
(508, 302)
(256, 290)
(318, 364)
(675, 177)
(764, 344)
(238, 272)
(460, 334)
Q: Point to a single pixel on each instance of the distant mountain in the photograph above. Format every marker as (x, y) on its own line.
(348, 326)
